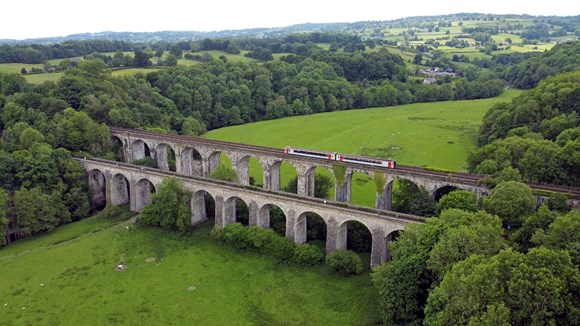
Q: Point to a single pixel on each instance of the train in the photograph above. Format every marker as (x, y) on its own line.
(333, 156)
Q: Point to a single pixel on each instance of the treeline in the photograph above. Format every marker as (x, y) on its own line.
(459, 269)
(37, 53)
(526, 70)
(295, 43)
(537, 134)
(41, 187)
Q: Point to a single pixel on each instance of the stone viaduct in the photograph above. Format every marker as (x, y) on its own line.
(199, 157)
(121, 183)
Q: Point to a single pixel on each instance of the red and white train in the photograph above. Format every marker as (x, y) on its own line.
(333, 156)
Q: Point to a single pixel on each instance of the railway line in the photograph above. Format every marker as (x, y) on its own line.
(461, 177)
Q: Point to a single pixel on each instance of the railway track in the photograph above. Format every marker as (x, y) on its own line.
(460, 177)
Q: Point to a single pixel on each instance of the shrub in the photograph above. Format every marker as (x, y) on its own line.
(307, 255)
(257, 239)
(345, 262)
(280, 248)
(236, 235)
(146, 161)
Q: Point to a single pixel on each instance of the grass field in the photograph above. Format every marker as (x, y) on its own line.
(50, 280)
(132, 71)
(436, 135)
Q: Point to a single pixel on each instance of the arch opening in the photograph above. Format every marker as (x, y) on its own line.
(288, 178)
(363, 190)
(118, 149)
(324, 183)
(394, 235)
(440, 192)
(272, 217)
(120, 190)
(165, 157)
(143, 191)
(411, 199)
(97, 185)
(220, 167)
(236, 210)
(191, 162)
(140, 151)
(356, 236)
(311, 228)
(202, 207)
(250, 171)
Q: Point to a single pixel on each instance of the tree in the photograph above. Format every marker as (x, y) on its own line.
(322, 185)
(170, 60)
(224, 173)
(541, 220)
(34, 212)
(4, 220)
(481, 235)
(460, 199)
(169, 208)
(76, 131)
(418, 58)
(511, 201)
(176, 51)
(404, 282)
(563, 234)
(540, 287)
(11, 83)
(141, 59)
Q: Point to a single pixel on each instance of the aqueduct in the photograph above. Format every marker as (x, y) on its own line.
(121, 183)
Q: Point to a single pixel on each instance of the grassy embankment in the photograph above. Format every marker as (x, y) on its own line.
(436, 135)
(68, 277)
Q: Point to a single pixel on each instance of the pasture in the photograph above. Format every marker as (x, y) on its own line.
(68, 277)
(435, 135)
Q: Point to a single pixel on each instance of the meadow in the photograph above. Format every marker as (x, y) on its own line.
(436, 135)
(68, 277)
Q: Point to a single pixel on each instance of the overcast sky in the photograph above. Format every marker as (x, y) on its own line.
(22, 19)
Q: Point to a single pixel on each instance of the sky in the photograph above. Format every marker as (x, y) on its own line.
(21, 19)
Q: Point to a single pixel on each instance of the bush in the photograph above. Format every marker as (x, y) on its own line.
(257, 239)
(236, 235)
(307, 255)
(345, 262)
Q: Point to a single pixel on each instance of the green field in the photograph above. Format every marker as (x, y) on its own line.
(50, 280)
(435, 135)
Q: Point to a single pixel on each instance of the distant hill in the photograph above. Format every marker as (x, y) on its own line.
(362, 28)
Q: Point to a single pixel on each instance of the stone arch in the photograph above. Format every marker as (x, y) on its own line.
(202, 207)
(322, 171)
(392, 236)
(236, 210)
(442, 191)
(191, 162)
(356, 236)
(165, 157)
(288, 172)
(143, 190)
(118, 148)
(272, 216)
(362, 183)
(250, 171)
(400, 198)
(140, 150)
(120, 190)
(310, 226)
(213, 161)
(272, 176)
(97, 185)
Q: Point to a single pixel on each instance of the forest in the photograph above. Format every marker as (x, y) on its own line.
(435, 266)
